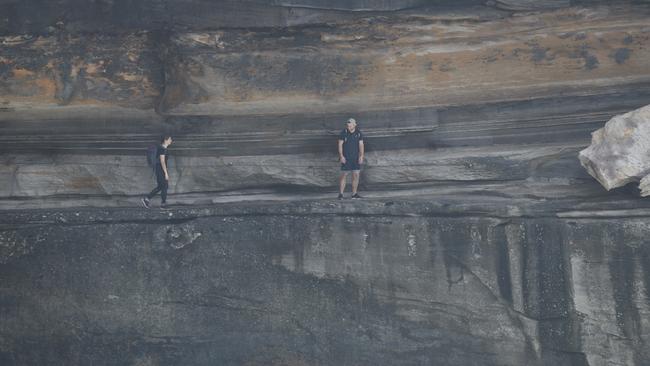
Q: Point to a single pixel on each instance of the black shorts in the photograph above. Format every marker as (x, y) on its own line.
(351, 165)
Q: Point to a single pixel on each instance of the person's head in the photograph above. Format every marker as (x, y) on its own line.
(166, 140)
(351, 124)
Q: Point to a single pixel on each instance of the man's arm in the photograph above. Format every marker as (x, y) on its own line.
(164, 166)
(361, 151)
(341, 157)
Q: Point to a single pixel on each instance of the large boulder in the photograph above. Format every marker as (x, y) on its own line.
(618, 153)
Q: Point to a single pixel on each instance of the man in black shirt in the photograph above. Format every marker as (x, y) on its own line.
(162, 174)
(351, 152)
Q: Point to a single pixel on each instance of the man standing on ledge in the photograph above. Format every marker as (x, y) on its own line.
(162, 174)
(351, 156)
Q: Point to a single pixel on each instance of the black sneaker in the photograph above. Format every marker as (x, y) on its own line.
(356, 196)
(340, 196)
(145, 202)
(164, 206)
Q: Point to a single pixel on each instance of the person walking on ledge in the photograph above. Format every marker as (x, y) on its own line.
(351, 152)
(162, 174)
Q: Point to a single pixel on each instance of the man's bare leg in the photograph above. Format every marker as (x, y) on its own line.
(342, 182)
(355, 182)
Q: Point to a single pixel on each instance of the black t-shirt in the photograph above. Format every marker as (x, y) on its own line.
(351, 142)
(161, 150)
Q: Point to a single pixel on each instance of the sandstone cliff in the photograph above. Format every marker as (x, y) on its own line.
(465, 94)
(482, 240)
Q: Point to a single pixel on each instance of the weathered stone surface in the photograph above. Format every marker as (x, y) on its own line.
(33, 176)
(112, 15)
(328, 283)
(531, 4)
(401, 61)
(423, 84)
(356, 4)
(618, 153)
(481, 241)
(511, 141)
(53, 73)
(438, 58)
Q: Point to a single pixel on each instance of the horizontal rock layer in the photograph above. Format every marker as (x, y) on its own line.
(411, 62)
(382, 62)
(482, 240)
(33, 16)
(531, 4)
(425, 87)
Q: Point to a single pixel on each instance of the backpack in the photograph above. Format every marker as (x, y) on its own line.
(151, 156)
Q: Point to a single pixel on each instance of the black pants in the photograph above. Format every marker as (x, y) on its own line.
(161, 187)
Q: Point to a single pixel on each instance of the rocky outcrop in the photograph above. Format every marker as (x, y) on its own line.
(618, 153)
(438, 280)
(261, 107)
(448, 58)
(481, 241)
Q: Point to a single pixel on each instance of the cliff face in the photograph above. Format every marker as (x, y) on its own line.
(482, 240)
(463, 94)
(446, 281)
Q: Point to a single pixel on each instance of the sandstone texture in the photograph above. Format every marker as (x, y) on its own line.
(619, 152)
(389, 63)
(45, 72)
(481, 240)
(442, 281)
(260, 107)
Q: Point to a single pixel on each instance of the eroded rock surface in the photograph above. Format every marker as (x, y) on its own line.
(260, 107)
(442, 281)
(45, 72)
(481, 241)
(114, 15)
(531, 4)
(433, 59)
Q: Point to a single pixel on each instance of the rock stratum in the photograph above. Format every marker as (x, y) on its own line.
(482, 240)
(34, 16)
(458, 90)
